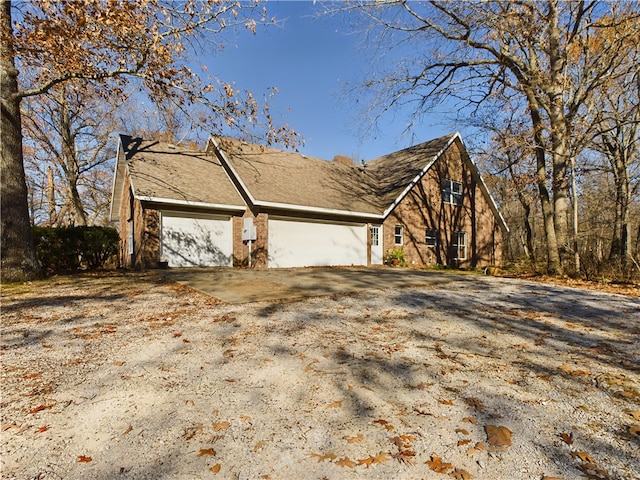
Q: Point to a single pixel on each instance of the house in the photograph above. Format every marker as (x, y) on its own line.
(239, 204)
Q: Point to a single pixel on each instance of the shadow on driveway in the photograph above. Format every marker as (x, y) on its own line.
(243, 286)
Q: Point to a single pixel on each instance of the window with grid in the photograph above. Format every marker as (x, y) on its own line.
(397, 235)
(431, 237)
(452, 192)
(459, 245)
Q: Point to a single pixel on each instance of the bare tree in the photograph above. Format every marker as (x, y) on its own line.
(107, 44)
(70, 129)
(541, 52)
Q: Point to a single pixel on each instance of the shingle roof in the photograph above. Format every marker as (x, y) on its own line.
(273, 178)
(395, 171)
(287, 178)
(162, 171)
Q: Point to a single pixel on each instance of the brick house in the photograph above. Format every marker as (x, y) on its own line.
(178, 207)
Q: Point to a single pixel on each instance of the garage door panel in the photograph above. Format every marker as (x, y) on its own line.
(306, 244)
(193, 242)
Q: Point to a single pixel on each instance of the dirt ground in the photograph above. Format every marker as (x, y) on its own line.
(133, 376)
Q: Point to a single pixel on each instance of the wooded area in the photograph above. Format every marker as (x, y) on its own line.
(551, 88)
(554, 87)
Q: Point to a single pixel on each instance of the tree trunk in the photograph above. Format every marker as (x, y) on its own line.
(51, 196)
(554, 266)
(559, 136)
(18, 254)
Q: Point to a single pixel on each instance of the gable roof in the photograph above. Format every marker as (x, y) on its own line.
(164, 173)
(232, 173)
(280, 179)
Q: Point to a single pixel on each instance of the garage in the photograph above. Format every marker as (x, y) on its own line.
(196, 241)
(303, 243)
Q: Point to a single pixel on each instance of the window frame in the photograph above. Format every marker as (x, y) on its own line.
(375, 236)
(452, 192)
(398, 232)
(459, 246)
(431, 234)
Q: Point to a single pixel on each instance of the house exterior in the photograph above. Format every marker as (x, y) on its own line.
(241, 204)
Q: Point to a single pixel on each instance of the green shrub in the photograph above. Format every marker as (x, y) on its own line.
(396, 256)
(68, 249)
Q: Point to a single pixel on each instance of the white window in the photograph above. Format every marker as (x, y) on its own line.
(431, 237)
(397, 235)
(375, 236)
(459, 245)
(452, 192)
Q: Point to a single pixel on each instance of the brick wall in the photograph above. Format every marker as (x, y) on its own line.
(424, 208)
(259, 252)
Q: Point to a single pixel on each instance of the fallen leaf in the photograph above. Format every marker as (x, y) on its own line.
(634, 429)
(258, 446)
(462, 431)
(366, 461)
(245, 419)
(402, 441)
(461, 474)
(345, 462)
(336, 404)
(32, 375)
(438, 466)
(357, 439)
(475, 403)
(177, 334)
(498, 436)
(567, 437)
(7, 426)
(216, 468)
(83, 459)
(406, 456)
(471, 420)
(207, 451)
(44, 428)
(584, 456)
(381, 457)
(593, 472)
(634, 413)
(466, 441)
(386, 424)
(446, 402)
(217, 426)
(573, 371)
(39, 408)
(321, 458)
(129, 428)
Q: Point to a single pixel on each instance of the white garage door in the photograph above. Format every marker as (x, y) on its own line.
(189, 241)
(298, 243)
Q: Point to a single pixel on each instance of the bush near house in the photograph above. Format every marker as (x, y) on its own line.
(69, 249)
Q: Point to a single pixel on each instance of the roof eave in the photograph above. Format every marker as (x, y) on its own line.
(118, 181)
(190, 203)
(325, 211)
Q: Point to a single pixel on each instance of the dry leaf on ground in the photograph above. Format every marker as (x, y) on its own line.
(357, 439)
(461, 474)
(437, 465)
(216, 468)
(84, 459)
(206, 451)
(345, 462)
(498, 436)
(218, 426)
(567, 437)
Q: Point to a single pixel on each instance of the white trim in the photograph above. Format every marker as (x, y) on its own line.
(117, 179)
(188, 203)
(233, 171)
(418, 177)
(330, 211)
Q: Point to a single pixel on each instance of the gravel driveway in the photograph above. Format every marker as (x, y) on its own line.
(132, 376)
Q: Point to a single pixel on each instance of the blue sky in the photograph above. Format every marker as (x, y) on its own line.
(312, 60)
